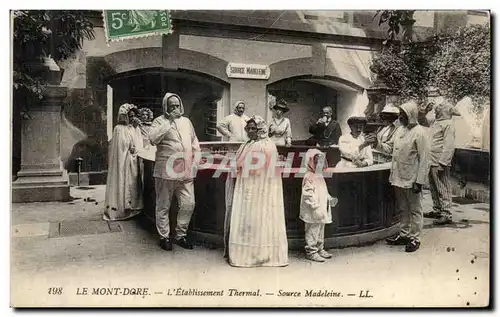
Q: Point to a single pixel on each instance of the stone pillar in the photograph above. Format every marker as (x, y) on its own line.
(109, 112)
(42, 177)
(378, 96)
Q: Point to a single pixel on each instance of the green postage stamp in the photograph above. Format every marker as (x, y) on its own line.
(129, 24)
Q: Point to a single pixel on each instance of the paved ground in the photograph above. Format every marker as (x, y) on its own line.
(67, 245)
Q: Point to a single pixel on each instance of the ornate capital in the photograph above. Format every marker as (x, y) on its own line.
(379, 88)
(377, 95)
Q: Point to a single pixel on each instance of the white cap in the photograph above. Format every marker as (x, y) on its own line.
(390, 108)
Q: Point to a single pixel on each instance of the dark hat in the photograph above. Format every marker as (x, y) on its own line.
(281, 105)
(354, 120)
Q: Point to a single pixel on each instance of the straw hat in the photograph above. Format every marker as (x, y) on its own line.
(390, 109)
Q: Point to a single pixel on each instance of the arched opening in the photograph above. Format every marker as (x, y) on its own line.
(202, 96)
(307, 95)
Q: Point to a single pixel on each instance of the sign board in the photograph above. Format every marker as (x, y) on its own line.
(131, 24)
(248, 71)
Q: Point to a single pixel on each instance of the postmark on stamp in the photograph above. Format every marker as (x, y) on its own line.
(130, 24)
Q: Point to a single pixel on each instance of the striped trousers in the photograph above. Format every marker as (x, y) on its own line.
(440, 186)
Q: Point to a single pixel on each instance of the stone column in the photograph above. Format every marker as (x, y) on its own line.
(42, 177)
(377, 99)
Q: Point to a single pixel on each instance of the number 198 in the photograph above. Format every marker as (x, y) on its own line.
(55, 290)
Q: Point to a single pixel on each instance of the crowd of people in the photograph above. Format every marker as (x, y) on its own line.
(255, 232)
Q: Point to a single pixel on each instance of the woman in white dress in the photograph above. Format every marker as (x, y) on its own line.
(257, 232)
(280, 129)
(123, 186)
(354, 150)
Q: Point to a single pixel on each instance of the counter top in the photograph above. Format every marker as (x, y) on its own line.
(149, 155)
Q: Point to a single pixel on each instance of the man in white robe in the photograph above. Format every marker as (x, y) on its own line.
(232, 127)
(442, 149)
(409, 172)
(176, 144)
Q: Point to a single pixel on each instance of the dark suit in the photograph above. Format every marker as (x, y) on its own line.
(326, 136)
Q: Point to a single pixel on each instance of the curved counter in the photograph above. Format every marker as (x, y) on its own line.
(364, 214)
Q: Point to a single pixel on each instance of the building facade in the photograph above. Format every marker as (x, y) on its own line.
(311, 59)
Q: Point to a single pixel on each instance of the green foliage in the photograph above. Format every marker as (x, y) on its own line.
(461, 65)
(397, 20)
(404, 68)
(457, 64)
(39, 34)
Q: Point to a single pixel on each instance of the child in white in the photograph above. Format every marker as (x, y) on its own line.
(315, 206)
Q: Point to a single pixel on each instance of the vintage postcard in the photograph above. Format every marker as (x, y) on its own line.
(250, 158)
